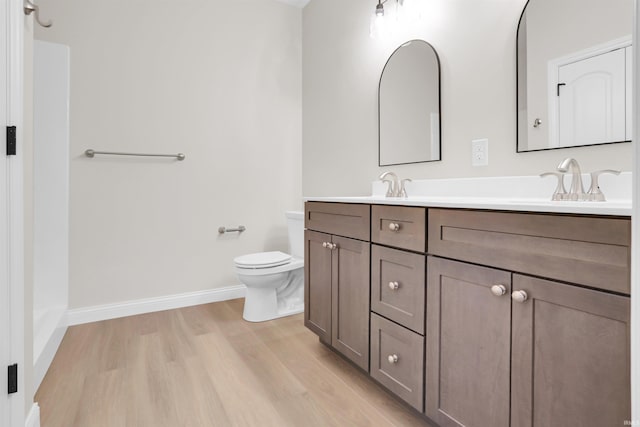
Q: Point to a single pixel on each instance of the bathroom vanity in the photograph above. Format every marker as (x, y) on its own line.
(477, 316)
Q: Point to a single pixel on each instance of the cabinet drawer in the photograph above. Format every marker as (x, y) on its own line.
(342, 219)
(398, 286)
(410, 231)
(591, 251)
(397, 360)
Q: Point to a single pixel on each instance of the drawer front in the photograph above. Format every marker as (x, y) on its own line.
(397, 360)
(398, 286)
(591, 251)
(342, 219)
(399, 226)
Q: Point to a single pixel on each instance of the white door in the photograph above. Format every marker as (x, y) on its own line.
(592, 101)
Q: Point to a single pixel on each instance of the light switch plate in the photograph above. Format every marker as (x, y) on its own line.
(480, 152)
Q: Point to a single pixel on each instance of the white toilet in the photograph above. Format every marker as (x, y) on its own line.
(275, 280)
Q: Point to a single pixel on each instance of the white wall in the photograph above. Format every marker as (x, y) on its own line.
(219, 81)
(476, 43)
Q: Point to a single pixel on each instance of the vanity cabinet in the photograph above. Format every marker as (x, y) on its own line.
(477, 317)
(337, 279)
(507, 349)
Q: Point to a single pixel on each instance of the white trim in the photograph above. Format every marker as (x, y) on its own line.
(635, 242)
(43, 361)
(15, 99)
(96, 313)
(552, 79)
(33, 419)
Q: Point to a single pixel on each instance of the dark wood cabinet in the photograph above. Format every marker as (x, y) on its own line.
(570, 363)
(468, 344)
(541, 354)
(337, 285)
(474, 339)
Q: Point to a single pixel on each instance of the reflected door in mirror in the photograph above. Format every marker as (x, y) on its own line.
(574, 73)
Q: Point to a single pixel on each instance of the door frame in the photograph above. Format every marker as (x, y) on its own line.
(12, 229)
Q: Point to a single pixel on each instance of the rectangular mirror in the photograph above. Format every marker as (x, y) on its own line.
(574, 73)
(409, 106)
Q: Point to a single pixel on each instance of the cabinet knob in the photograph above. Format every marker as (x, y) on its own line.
(498, 290)
(325, 244)
(394, 285)
(394, 226)
(519, 296)
(393, 358)
(333, 246)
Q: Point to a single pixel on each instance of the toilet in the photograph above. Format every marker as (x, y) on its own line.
(275, 280)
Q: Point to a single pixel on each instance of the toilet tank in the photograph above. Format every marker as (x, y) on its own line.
(295, 223)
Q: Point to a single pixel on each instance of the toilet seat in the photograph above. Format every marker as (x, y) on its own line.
(262, 260)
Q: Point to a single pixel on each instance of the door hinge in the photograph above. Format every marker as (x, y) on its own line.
(11, 140)
(13, 379)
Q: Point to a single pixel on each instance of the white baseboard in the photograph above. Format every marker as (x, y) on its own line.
(96, 313)
(43, 360)
(33, 419)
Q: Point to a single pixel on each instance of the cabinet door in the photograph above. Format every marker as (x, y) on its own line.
(468, 345)
(570, 356)
(350, 295)
(317, 284)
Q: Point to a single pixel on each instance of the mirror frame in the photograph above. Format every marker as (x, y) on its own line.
(518, 150)
(439, 104)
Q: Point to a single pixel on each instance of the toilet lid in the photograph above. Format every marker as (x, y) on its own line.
(262, 260)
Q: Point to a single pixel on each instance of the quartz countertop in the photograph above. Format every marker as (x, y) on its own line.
(619, 207)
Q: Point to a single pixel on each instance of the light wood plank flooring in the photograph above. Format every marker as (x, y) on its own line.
(205, 366)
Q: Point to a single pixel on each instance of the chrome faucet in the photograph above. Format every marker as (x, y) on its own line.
(393, 187)
(576, 191)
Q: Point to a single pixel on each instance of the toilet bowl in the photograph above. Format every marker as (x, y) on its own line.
(275, 280)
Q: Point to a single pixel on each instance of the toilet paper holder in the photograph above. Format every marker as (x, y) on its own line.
(239, 229)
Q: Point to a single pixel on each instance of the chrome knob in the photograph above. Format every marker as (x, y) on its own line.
(393, 358)
(394, 226)
(325, 244)
(394, 285)
(333, 246)
(519, 296)
(498, 290)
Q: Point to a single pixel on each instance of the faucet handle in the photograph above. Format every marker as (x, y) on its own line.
(560, 192)
(595, 194)
(403, 191)
(389, 187)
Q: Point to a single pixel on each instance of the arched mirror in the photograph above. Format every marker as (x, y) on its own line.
(409, 105)
(574, 73)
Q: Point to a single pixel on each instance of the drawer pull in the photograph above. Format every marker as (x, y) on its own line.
(519, 296)
(498, 290)
(393, 358)
(394, 286)
(394, 226)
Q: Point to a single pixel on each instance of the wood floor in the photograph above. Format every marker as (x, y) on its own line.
(205, 366)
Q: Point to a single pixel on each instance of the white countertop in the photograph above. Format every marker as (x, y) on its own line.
(509, 193)
(610, 207)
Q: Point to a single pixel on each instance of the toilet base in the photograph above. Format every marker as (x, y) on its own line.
(261, 305)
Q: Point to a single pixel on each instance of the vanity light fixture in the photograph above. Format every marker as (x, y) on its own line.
(405, 12)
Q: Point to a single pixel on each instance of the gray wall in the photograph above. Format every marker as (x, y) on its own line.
(476, 42)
